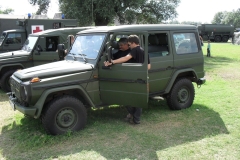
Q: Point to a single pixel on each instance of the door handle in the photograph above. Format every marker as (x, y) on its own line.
(106, 67)
(169, 67)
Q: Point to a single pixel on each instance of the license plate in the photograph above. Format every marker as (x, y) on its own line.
(12, 105)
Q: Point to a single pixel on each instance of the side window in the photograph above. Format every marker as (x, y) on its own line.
(14, 38)
(56, 25)
(185, 43)
(158, 44)
(51, 43)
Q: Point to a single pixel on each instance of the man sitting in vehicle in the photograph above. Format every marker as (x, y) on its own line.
(123, 49)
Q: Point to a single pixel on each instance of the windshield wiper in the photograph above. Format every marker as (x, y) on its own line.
(74, 58)
(83, 57)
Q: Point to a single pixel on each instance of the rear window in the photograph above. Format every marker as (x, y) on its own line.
(185, 43)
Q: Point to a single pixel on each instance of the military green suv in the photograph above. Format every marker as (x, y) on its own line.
(39, 48)
(60, 92)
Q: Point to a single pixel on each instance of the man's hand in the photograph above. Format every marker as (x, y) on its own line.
(107, 63)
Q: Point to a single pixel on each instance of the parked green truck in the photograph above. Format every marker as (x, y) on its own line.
(216, 32)
(60, 92)
(39, 48)
(12, 40)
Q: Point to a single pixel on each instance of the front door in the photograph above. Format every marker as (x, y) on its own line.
(45, 51)
(13, 42)
(126, 83)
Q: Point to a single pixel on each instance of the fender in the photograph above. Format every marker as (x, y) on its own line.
(11, 65)
(174, 77)
(40, 103)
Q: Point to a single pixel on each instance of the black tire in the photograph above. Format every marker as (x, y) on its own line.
(225, 38)
(217, 39)
(182, 95)
(64, 114)
(5, 85)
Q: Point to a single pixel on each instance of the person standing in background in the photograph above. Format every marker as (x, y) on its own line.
(209, 49)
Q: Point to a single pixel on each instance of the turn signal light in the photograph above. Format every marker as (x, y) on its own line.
(35, 79)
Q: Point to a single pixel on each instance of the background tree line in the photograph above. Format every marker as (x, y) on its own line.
(110, 12)
(231, 18)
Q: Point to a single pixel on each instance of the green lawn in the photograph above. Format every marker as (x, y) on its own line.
(210, 129)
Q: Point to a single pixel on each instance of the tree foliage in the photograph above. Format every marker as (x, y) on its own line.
(231, 18)
(42, 6)
(105, 12)
(6, 11)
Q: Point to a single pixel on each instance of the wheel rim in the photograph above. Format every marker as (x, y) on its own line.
(183, 95)
(66, 118)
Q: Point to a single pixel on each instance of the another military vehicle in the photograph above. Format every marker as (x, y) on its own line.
(39, 48)
(12, 40)
(60, 92)
(216, 32)
(8, 22)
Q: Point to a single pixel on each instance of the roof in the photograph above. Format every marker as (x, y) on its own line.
(54, 31)
(140, 27)
(15, 30)
(9, 16)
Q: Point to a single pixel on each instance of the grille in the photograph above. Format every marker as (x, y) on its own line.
(15, 87)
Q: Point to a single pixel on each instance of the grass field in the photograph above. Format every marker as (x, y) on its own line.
(207, 130)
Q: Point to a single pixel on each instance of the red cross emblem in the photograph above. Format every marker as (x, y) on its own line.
(37, 28)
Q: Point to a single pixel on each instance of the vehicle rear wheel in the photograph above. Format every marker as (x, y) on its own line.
(182, 95)
(218, 39)
(5, 81)
(63, 114)
(225, 38)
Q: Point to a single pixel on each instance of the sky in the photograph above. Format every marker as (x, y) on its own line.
(23, 7)
(204, 10)
(188, 10)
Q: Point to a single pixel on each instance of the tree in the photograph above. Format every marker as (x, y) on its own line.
(231, 18)
(219, 17)
(105, 12)
(6, 11)
(43, 6)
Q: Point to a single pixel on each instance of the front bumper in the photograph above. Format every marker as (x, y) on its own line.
(16, 106)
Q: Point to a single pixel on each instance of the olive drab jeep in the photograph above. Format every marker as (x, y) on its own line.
(60, 92)
(39, 48)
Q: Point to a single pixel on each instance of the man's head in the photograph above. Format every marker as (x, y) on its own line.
(133, 41)
(123, 44)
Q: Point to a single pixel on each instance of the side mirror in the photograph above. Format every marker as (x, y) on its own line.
(39, 49)
(61, 51)
(109, 53)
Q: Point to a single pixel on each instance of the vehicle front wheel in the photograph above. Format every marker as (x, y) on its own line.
(5, 84)
(182, 94)
(64, 114)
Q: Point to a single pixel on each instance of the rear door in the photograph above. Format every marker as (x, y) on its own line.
(126, 83)
(161, 57)
(188, 49)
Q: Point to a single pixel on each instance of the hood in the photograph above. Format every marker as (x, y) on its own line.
(13, 54)
(53, 69)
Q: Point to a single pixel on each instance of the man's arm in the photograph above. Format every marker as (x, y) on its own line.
(149, 66)
(122, 59)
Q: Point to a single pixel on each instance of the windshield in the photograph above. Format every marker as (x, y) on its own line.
(87, 45)
(29, 44)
